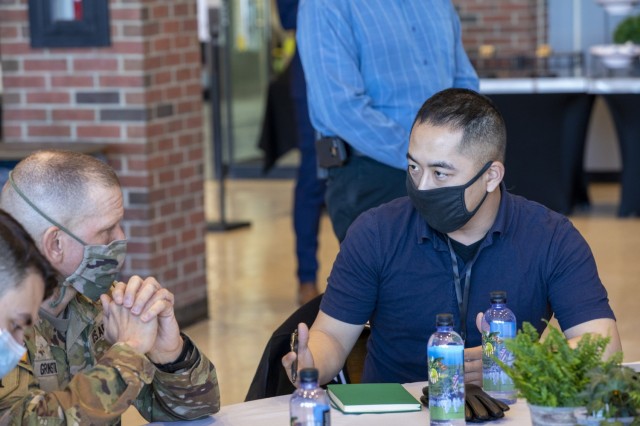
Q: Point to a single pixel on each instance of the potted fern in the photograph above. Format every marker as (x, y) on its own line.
(628, 30)
(612, 394)
(550, 374)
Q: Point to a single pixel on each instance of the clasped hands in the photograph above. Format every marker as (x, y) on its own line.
(140, 314)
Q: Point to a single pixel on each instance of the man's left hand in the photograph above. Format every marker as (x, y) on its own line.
(151, 301)
(473, 365)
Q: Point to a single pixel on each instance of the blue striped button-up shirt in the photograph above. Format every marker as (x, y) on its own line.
(371, 64)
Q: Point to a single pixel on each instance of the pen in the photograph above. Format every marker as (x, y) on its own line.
(294, 348)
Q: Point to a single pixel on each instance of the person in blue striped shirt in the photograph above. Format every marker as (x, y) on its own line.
(369, 65)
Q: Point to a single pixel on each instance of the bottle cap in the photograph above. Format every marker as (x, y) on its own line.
(498, 296)
(308, 375)
(444, 319)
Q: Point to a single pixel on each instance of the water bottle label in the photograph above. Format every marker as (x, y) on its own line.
(321, 417)
(446, 382)
(493, 378)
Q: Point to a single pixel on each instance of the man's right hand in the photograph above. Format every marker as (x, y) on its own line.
(121, 326)
(304, 356)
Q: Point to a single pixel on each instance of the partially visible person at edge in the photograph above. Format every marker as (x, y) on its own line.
(369, 64)
(26, 279)
(91, 356)
(456, 237)
(308, 199)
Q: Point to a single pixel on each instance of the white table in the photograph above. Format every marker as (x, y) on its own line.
(547, 121)
(275, 412)
(509, 86)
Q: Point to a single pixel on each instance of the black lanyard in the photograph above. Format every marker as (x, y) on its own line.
(462, 295)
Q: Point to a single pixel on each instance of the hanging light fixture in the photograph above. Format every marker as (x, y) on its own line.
(617, 7)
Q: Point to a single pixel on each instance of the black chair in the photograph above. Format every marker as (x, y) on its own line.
(271, 379)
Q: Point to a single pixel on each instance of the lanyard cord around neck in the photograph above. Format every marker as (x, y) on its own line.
(461, 294)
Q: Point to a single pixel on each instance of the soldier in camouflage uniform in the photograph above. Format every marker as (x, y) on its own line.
(97, 348)
(26, 279)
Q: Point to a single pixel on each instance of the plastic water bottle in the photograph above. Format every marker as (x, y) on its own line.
(445, 353)
(309, 405)
(498, 325)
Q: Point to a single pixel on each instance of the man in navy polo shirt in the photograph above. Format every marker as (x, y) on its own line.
(456, 237)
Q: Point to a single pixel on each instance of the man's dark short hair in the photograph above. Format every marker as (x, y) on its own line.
(484, 136)
(20, 256)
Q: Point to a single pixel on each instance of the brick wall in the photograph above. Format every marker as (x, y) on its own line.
(142, 97)
(515, 29)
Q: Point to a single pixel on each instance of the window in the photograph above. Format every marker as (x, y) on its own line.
(69, 23)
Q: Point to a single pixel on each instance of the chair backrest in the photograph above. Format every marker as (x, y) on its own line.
(270, 378)
(355, 361)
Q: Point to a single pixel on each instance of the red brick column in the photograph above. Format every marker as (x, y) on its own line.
(142, 97)
(512, 27)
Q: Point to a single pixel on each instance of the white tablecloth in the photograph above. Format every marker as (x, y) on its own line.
(275, 412)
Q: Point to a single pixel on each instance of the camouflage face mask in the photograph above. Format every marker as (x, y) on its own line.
(99, 268)
(100, 263)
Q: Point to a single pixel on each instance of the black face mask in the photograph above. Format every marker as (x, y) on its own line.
(444, 209)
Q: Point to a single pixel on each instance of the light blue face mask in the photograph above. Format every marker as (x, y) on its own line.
(10, 352)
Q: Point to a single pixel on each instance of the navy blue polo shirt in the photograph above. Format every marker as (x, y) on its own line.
(396, 272)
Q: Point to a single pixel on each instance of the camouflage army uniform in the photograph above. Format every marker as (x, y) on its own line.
(76, 377)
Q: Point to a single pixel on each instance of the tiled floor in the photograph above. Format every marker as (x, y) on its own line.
(252, 282)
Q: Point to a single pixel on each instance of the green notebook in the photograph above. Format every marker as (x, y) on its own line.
(372, 398)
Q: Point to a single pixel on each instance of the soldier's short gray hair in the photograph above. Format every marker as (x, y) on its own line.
(58, 183)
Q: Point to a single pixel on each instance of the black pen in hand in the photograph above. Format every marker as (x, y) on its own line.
(294, 348)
